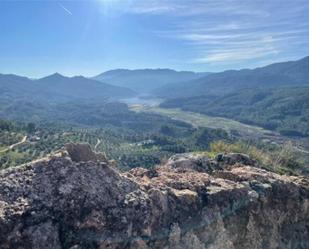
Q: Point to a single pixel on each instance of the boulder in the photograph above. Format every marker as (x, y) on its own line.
(192, 201)
(82, 152)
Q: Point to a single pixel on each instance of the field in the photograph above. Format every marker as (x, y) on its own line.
(201, 120)
(240, 130)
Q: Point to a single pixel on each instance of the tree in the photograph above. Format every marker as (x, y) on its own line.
(30, 128)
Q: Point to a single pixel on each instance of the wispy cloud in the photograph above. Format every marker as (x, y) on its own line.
(65, 9)
(236, 55)
(230, 30)
(193, 8)
(236, 30)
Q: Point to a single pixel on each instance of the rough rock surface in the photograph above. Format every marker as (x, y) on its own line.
(191, 202)
(83, 152)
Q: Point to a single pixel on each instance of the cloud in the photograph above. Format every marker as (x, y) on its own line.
(193, 8)
(228, 30)
(234, 55)
(65, 9)
(235, 30)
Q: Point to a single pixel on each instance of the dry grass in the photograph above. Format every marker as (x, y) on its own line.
(283, 160)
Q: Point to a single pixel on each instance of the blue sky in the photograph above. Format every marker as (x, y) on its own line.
(89, 37)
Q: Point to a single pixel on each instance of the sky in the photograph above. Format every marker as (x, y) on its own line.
(38, 38)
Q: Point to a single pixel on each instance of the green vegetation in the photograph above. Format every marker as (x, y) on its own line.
(143, 137)
(291, 73)
(201, 120)
(57, 88)
(282, 160)
(10, 133)
(146, 140)
(146, 136)
(282, 109)
(273, 151)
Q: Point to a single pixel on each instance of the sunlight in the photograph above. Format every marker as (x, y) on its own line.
(154, 124)
(114, 7)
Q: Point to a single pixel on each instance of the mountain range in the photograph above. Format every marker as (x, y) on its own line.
(166, 83)
(146, 80)
(274, 96)
(291, 73)
(57, 88)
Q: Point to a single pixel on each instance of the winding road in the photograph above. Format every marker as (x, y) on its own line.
(97, 144)
(14, 145)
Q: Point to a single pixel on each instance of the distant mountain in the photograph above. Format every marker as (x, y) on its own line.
(57, 87)
(55, 97)
(292, 73)
(15, 83)
(80, 87)
(146, 80)
(285, 109)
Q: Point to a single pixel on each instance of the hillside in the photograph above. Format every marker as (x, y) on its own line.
(46, 98)
(57, 88)
(132, 139)
(285, 109)
(79, 87)
(77, 199)
(293, 73)
(146, 80)
(10, 133)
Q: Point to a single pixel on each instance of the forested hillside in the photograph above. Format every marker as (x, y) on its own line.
(57, 88)
(293, 73)
(131, 139)
(284, 109)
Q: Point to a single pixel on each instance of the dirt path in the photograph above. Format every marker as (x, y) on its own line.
(14, 145)
(97, 144)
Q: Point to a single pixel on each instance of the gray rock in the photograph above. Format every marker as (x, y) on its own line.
(83, 152)
(189, 161)
(191, 202)
(233, 158)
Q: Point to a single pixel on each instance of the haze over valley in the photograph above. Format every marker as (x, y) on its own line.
(154, 124)
(257, 97)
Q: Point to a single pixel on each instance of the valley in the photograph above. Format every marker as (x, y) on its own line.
(201, 120)
(122, 114)
(238, 129)
(154, 124)
(281, 109)
(138, 140)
